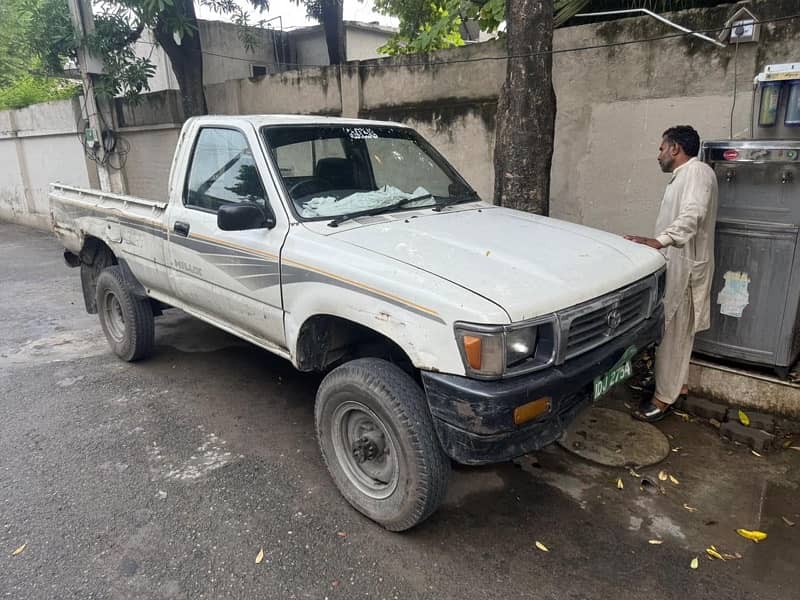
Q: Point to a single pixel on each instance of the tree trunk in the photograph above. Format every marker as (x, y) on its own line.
(526, 110)
(186, 59)
(332, 21)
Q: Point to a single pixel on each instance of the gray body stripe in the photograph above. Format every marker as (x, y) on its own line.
(292, 275)
(243, 273)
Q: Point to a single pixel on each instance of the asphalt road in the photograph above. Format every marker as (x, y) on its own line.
(164, 479)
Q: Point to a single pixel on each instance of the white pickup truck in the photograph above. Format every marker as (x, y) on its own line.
(449, 328)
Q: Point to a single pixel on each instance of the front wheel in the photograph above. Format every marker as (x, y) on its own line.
(377, 438)
(127, 320)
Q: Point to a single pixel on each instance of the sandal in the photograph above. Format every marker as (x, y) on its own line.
(649, 412)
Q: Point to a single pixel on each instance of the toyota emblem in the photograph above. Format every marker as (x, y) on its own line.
(613, 319)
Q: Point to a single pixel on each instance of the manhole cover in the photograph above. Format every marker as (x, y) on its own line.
(614, 439)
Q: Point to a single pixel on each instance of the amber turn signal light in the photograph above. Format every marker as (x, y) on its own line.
(531, 410)
(472, 348)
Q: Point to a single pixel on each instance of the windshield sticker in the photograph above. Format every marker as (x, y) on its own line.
(361, 133)
(734, 297)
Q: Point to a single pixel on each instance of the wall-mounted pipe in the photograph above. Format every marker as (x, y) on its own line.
(658, 18)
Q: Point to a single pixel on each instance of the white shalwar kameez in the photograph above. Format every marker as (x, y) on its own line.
(685, 227)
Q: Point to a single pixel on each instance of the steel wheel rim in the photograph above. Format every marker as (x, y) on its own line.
(355, 427)
(115, 319)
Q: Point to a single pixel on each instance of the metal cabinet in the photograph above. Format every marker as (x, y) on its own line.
(756, 290)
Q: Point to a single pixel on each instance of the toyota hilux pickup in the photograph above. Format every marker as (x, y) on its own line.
(449, 329)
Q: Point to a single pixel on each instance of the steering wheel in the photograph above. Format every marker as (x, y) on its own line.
(309, 186)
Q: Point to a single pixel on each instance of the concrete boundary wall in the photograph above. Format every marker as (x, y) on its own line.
(38, 145)
(614, 100)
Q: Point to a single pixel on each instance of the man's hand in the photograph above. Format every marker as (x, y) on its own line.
(652, 242)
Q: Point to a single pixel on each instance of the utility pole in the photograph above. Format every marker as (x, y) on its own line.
(97, 112)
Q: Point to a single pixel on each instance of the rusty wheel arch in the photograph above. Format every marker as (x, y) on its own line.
(327, 341)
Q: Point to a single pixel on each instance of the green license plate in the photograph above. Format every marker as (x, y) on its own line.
(619, 373)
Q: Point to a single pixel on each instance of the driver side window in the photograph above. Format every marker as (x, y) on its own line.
(222, 171)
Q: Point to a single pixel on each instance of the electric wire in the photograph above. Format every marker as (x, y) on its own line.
(384, 65)
(113, 143)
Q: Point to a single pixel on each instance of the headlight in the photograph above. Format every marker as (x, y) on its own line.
(496, 351)
(520, 345)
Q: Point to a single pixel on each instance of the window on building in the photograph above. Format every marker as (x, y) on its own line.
(257, 70)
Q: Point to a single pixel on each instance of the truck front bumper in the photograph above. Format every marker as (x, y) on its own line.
(474, 419)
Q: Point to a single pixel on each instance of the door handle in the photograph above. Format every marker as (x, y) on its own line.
(181, 228)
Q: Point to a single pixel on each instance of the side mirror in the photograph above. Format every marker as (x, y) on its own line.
(239, 217)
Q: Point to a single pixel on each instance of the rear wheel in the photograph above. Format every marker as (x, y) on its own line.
(377, 438)
(127, 320)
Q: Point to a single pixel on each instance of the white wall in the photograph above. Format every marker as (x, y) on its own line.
(38, 145)
(364, 43)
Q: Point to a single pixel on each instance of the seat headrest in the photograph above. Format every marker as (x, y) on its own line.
(339, 171)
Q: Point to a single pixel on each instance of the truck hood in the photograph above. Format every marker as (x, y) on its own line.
(527, 264)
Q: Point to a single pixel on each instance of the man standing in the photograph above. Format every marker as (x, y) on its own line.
(685, 235)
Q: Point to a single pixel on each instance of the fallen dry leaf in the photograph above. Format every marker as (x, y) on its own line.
(695, 563)
(755, 536)
(674, 480)
(788, 522)
(712, 552)
(633, 473)
(690, 508)
(682, 415)
(655, 542)
(542, 547)
(662, 475)
(734, 556)
(756, 453)
(260, 556)
(19, 550)
(744, 419)
(620, 485)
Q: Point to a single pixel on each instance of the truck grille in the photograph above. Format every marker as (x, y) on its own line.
(592, 324)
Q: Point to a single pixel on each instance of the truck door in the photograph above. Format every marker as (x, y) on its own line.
(233, 277)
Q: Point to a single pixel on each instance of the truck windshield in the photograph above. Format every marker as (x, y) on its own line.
(333, 171)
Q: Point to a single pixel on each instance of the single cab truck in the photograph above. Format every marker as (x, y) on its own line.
(450, 329)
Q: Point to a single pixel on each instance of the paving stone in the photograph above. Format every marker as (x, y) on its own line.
(758, 440)
(758, 420)
(788, 425)
(704, 408)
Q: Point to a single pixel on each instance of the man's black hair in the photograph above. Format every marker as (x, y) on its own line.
(685, 136)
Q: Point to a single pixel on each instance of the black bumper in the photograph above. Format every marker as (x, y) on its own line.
(474, 418)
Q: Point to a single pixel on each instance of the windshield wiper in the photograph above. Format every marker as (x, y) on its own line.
(450, 200)
(382, 209)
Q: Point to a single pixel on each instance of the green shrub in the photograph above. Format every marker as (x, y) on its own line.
(30, 89)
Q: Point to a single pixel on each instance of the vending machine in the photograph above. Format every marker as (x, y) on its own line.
(755, 298)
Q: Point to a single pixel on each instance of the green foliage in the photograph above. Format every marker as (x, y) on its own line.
(29, 89)
(36, 37)
(119, 23)
(35, 43)
(427, 25)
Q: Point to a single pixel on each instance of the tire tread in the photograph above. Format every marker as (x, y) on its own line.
(407, 404)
